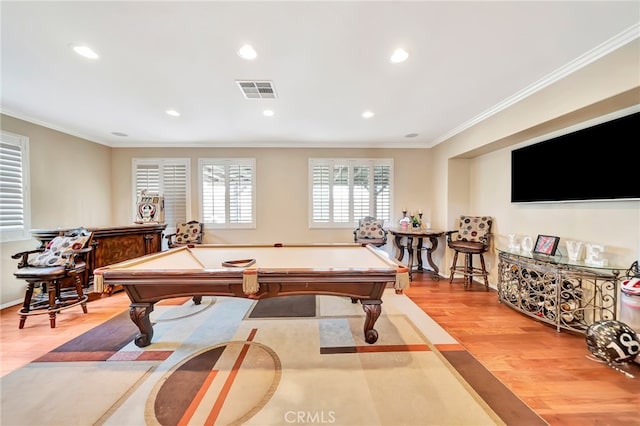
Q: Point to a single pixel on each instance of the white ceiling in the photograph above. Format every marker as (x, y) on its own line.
(328, 62)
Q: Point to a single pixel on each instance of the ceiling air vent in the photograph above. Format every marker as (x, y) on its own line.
(257, 89)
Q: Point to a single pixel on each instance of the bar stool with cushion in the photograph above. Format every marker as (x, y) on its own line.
(56, 276)
(471, 237)
(186, 233)
(370, 231)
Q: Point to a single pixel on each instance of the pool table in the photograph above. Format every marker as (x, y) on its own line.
(360, 272)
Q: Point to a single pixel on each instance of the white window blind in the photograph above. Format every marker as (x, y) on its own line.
(175, 195)
(382, 191)
(169, 177)
(362, 199)
(345, 190)
(227, 188)
(14, 188)
(320, 190)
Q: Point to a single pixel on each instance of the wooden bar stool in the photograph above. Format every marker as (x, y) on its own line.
(471, 237)
(54, 293)
(55, 277)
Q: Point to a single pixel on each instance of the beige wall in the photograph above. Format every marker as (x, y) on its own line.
(70, 186)
(282, 189)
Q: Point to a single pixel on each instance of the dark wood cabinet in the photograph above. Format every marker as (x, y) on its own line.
(114, 244)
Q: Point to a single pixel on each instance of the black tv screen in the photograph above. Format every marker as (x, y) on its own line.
(598, 163)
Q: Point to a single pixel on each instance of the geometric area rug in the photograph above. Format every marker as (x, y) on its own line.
(218, 363)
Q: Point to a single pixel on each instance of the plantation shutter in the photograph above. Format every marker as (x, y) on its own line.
(228, 192)
(240, 194)
(12, 187)
(213, 193)
(175, 194)
(342, 191)
(148, 178)
(320, 193)
(170, 178)
(382, 191)
(361, 191)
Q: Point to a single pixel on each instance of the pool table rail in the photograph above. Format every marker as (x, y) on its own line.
(145, 283)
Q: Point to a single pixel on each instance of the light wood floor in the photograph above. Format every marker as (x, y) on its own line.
(549, 371)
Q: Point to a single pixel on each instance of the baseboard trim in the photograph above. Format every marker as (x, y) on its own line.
(12, 303)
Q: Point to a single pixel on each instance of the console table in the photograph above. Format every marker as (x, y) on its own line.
(419, 234)
(114, 244)
(568, 294)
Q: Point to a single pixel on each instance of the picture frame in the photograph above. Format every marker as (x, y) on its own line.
(546, 244)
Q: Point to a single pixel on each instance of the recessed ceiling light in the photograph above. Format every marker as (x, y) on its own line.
(247, 52)
(122, 135)
(268, 113)
(367, 114)
(85, 51)
(400, 55)
(410, 135)
(173, 113)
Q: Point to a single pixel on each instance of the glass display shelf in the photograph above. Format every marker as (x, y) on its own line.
(561, 260)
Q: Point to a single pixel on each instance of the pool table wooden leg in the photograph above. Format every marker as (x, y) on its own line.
(372, 308)
(139, 313)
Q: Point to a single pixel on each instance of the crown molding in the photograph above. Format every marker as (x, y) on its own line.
(50, 126)
(627, 36)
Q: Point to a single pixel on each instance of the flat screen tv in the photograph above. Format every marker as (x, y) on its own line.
(597, 163)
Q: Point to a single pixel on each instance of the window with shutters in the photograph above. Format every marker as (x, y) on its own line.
(15, 214)
(343, 190)
(169, 177)
(228, 192)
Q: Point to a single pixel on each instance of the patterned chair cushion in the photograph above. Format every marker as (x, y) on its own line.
(53, 255)
(188, 233)
(474, 228)
(370, 228)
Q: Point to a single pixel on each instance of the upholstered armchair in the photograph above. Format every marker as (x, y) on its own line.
(190, 232)
(471, 237)
(58, 271)
(370, 231)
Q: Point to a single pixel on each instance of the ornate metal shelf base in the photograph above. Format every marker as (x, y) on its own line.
(566, 296)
